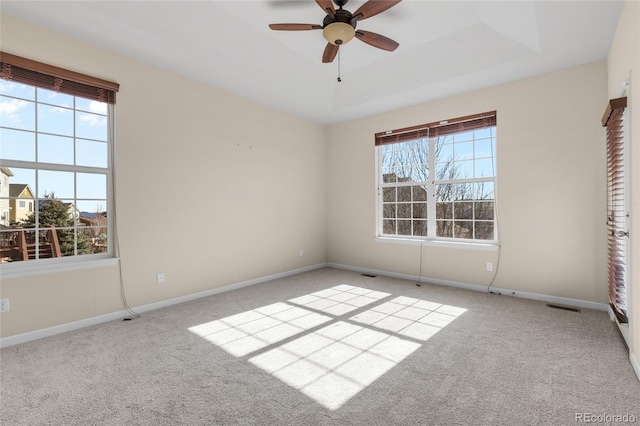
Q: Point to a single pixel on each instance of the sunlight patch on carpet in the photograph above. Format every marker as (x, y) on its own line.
(330, 364)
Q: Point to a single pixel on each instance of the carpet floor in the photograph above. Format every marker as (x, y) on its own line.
(329, 347)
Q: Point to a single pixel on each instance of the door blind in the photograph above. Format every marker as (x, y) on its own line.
(617, 209)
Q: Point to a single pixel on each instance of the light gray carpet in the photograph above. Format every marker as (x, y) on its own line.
(501, 361)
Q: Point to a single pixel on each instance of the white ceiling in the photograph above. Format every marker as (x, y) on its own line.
(446, 47)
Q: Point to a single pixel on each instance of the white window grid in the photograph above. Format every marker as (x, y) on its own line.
(39, 166)
(415, 185)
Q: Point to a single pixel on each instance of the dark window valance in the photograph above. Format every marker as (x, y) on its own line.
(437, 129)
(27, 71)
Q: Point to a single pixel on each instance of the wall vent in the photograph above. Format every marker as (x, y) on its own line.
(563, 307)
(369, 275)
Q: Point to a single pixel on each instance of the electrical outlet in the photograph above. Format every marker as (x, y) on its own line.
(4, 305)
(489, 266)
(160, 278)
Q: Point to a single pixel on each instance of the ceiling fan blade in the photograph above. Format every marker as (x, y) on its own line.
(377, 40)
(294, 27)
(329, 53)
(372, 8)
(327, 6)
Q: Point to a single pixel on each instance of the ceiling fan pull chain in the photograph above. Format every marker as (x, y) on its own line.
(339, 79)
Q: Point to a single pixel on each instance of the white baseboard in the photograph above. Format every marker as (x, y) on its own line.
(59, 329)
(76, 325)
(483, 288)
(635, 364)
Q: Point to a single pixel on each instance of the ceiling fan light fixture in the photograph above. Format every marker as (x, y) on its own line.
(339, 33)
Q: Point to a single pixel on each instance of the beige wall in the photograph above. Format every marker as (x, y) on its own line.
(623, 63)
(551, 188)
(265, 184)
(211, 189)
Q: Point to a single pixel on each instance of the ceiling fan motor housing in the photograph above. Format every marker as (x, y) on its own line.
(340, 28)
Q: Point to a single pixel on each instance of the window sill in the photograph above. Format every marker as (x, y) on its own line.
(490, 246)
(22, 269)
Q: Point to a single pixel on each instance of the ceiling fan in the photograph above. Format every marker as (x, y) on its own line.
(339, 26)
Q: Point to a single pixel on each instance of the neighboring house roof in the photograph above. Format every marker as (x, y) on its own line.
(5, 171)
(90, 215)
(17, 189)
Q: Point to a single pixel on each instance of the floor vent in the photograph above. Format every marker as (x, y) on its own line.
(369, 275)
(563, 307)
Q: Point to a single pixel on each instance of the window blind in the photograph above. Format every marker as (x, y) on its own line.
(436, 129)
(27, 71)
(613, 119)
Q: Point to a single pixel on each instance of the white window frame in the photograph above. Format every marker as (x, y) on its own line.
(38, 266)
(432, 239)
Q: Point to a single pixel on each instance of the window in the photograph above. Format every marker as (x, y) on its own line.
(437, 181)
(616, 120)
(55, 151)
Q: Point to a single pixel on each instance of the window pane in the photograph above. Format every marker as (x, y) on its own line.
(420, 211)
(92, 240)
(444, 210)
(66, 238)
(92, 154)
(23, 177)
(10, 243)
(404, 193)
(444, 192)
(463, 210)
(389, 211)
(463, 151)
(444, 153)
(55, 149)
(404, 210)
(461, 137)
(91, 185)
(57, 184)
(56, 120)
(388, 194)
(484, 210)
(17, 113)
(484, 148)
(487, 132)
(444, 228)
(446, 171)
(92, 223)
(57, 212)
(91, 208)
(55, 98)
(463, 229)
(404, 227)
(91, 106)
(484, 230)
(389, 227)
(463, 191)
(463, 169)
(485, 191)
(408, 160)
(419, 193)
(420, 228)
(389, 177)
(484, 168)
(17, 90)
(91, 126)
(17, 145)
